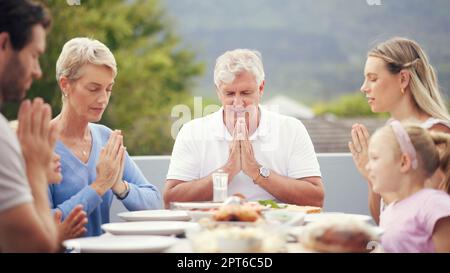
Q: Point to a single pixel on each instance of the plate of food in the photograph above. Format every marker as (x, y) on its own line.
(304, 209)
(238, 213)
(197, 215)
(325, 216)
(195, 205)
(297, 231)
(155, 215)
(274, 205)
(339, 235)
(120, 244)
(233, 215)
(232, 239)
(286, 217)
(149, 228)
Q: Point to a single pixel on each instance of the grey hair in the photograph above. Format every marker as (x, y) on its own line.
(81, 51)
(231, 63)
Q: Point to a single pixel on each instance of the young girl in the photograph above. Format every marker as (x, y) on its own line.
(73, 225)
(401, 159)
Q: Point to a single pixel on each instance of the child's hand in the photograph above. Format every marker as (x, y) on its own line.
(74, 224)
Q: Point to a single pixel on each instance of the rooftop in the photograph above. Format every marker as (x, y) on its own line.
(331, 135)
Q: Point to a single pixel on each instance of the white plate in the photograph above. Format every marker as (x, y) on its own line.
(120, 244)
(314, 217)
(297, 231)
(289, 217)
(196, 215)
(155, 215)
(195, 205)
(148, 228)
(238, 223)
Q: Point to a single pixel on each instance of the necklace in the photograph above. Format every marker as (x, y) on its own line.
(83, 151)
(84, 147)
(81, 147)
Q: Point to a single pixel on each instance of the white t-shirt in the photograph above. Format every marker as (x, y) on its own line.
(14, 187)
(280, 143)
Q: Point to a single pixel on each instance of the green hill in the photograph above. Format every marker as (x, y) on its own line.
(312, 49)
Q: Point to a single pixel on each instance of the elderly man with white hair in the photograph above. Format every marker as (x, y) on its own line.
(266, 155)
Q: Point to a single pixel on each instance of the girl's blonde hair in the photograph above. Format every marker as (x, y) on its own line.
(443, 142)
(80, 51)
(402, 53)
(432, 150)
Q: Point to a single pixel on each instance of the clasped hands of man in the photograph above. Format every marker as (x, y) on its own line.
(241, 154)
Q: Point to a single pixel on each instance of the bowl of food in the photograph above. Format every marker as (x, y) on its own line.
(234, 239)
(239, 243)
(339, 236)
(238, 213)
(286, 217)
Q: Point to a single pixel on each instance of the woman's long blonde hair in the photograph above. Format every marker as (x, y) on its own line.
(402, 53)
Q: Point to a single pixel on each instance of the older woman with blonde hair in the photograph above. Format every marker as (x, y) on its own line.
(95, 165)
(400, 80)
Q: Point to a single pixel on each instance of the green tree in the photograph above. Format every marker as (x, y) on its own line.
(351, 105)
(154, 71)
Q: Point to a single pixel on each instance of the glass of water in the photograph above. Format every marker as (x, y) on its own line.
(220, 186)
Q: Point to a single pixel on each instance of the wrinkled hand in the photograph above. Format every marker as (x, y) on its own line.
(359, 148)
(36, 136)
(109, 164)
(233, 165)
(249, 164)
(74, 224)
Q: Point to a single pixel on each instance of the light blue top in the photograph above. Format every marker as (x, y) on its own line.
(75, 187)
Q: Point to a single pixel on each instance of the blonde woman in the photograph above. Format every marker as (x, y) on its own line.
(95, 165)
(399, 80)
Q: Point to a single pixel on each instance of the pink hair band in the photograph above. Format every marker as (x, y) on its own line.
(404, 141)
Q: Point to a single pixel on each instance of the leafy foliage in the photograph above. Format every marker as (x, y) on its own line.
(350, 105)
(312, 50)
(154, 72)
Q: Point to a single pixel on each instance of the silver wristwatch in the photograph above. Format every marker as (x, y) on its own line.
(125, 193)
(264, 172)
